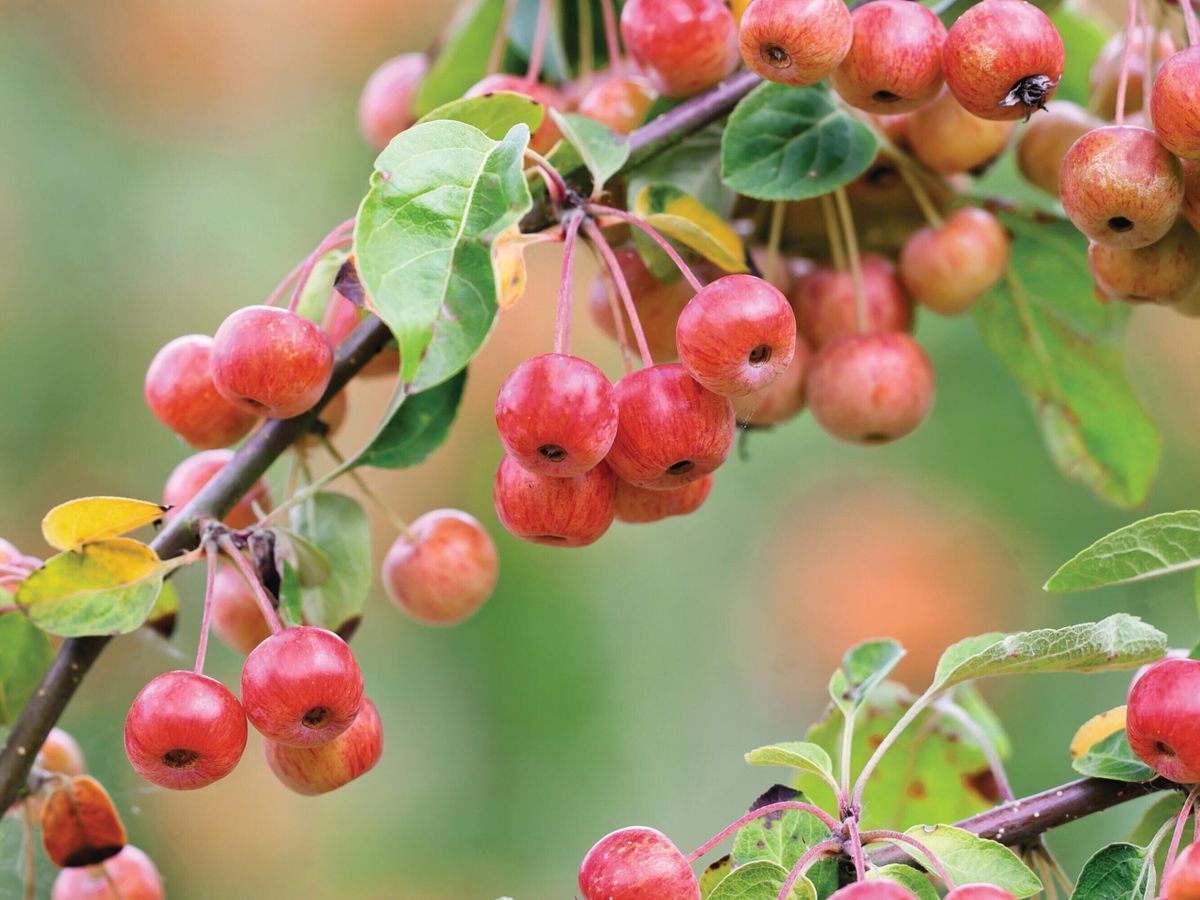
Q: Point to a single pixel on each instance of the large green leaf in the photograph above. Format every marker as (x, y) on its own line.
(1113, 873)
(417, 427)
(1159, 545)
(1065, 348)
(790, 143)
(782, 838)
(463, 58)
(494, 114)
(970, 859)
(864, 666)
(1113, 758)
(441, 191)
(25, 654)
(337, 525)
(760, 880)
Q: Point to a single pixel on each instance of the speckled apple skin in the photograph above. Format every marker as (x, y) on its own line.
(895, 60)
(560, 512)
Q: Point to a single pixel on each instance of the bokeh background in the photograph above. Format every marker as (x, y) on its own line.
(163, 162)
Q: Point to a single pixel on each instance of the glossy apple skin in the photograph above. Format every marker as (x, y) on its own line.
(637, 864)
(318, 770)
(1175, 104)
(618, 102)
(236, 616)
(685, 46)
(658, 305)
(557, 415)
(1182, 880)
(978, 892)
(185, 731)
(442, 569)
(1167, 271)
(186, 481)
(1121, 187)
(993, 46)
(871, 388)
(637, 506)
(951, 140)
(1047, 138)
(302, 687)
(131, 870)
(782, 399)
(386, 106)
(947, 269)
(80, 825)
(1191, 192)
(737, 335)
(560, 512)
(825, 306)
(61, 754)
(876, 889)
(548, 133)
(1162, 720)
(795, 42)
(180, 392)
(895, 61)
(672, 430)
(1105, 74)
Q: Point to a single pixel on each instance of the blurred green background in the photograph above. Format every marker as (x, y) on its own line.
(163, 162)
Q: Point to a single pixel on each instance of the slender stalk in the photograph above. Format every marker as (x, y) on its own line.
(774, 239)
(260, 592)
(618, 277)
(830, 847)
(500, 41)
(611, 38)
(898, 837)
(11, 607)
(1189, 19)
(614, 305)
(554, 181)
(30, 845)
(398, 523)
(336, 238)
(781, 806)
(210, 551)
(837, 254)
(1126, 59)
(282, 287)
(860, 293)
(1180, 822)
(587, 60)
(856, 848)
(538, 52)
(654, 235)
(566, 286)
(924, 202)
(847, 753)
(918, 706)
(981, 737)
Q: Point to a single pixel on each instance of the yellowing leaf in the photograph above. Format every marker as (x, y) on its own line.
(508, 258)
(739, 7)
(688, 221)
(1096, 729)
(72, 524)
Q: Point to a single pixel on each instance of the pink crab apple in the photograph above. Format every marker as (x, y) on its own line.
(636, 506)
(950, 140)
(1175, 103)
(557, 415)
(61, 754)
(658, 304)
(561, 512)
(301, 687)
(318, 770)
(619, 102)
(979, 891)
(875, 889)
(685, 46)
(236, 616)
(1162, 719)
(548, 133)
(895, 61)
(1047, 138)
(341, 318)
(1182, 880)
(186, 481)
(825, 305)
(1105, 75)
(442, 569)
(180, 392)
(672, 429)
(386, 106)
(782, 399)
(737, 335)
(1167, 271)
(637, 864)
(947, 268)
(795, 42)
(130, 875)
(184, 731)
(1003, 59)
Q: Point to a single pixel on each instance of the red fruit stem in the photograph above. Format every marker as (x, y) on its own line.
(1180, 822)
(1148, 53)
(538, 52)
(860, 293)
(829, 847)
(783, 805)
(566, 286)
(897, 837)
(555, 183)
(981, 737)
(611, 36)
(614, 268)
(856, 847)
(653, 234)
(7, 569)
(500, 41)
(1189, 19)
(335, 238)
(837, 253)
(283, 285)
(210, 552)
(260, 593)
(614, 305)
(1126, 59)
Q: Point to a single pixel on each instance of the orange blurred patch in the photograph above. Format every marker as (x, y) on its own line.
(80, 825)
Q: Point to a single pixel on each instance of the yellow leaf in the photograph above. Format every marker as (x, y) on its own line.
(72, 524)
(508, 257)
(688, 221)
(739, 8)
(1096, 729)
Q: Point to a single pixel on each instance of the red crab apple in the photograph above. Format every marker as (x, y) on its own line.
(1003, 59)
(180, 392)
(1175, 104)
(386, 106)
(548, 133)
(947, 268)
(1162, 719)
(557, 415)
(1182, 880)
(825, 306)
(875, 889)
(895, 62)
(1047, 138)
(1167, 271)
(635, 505)
(658, 304)
(780, 400)
(195, 472)
(979, 891)
(1105, 75)
(341, 318)
(61, 754)
(686, 46)
(442, 569)
(1121, 187)
(871, 388)
(318, 770)
(951, 140)
(796, 42)
(637, 864)
(301, 687)
(236, 616)
(130, 872)
(619, 102)
(737, 335)
(562, 512)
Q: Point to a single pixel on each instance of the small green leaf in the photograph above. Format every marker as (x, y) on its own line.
(312, 566)
(864, 667)
(463, 58)
(713, 875)
(1155, 816)
(782, 838)
(907, 877)
(760, 881)
(291, 603)
(1113, 758)
(1149, 548)
(494, 114)
(800, 755)
(416, 427)
(25, 654)
(970, 859)
(789, 143)
(601, 149)
(164, 616)
(337, 525)
(971, 702)
(1113, 873)
(693, 166)
(314, 299)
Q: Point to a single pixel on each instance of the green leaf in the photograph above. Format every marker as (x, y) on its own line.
(789, 143)
(713, 875)
(164, 615)
(864, 667)
(25, 654)
(601, 149)
(337, 525)
(782, 838)
(440, 193)
(417, 427)
(1155, 816)
(312, 566)
(1119, 642)
(687, 221)
(907, 877)
(314, 299)
(291, 603)
(800, 755)
(1159, 545)
(1066, 349)
(760, 881)
(693, 166)
(1083, 39)
(970, 859)
(463, 59)
(522, 35)
(494, 114)
(971, 702)
(1113, 758)
(1113, 873)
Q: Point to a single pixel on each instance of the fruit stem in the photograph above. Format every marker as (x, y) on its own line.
(283, 285)
(538, 51)
(920, 195)
(781, 806)
(1189, 19)
(837, 253)
(555, 183)
(614, 305)
(30, 851)
(500, 41)
(1148, 42)
(856, 847)
(334, 239)
(210, 550)
(1126, 59)
(860, 294)
(566, 285)
(654, 235)
(1180, 821)
(828, 847)
(390, 514)
(774, 239)
(618, 277)
(611, 36)
(587, 61)
(915, 709)
(981, 737)
(260, 593)
(897, 837)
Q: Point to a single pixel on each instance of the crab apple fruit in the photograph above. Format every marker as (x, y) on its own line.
(672, 429)
(1175, 104)
(386, 106)
(951, 140)
(796, 42)
(1105, 75)
(236, 616)
(637, 864)
(271, 362)
(318, 770)
(1121, 187)
(947, 268)
(14, 559)
(875, 889)
(557, 415)
(180, 392)
(621, 103)
(130, 875)
(658, 304)
(442, 569)
(1182, 880)
(341, 318)
(1003, 59)
(979, 891)
(871, 388)
(80, 825)
(1167, 271)
(548, 133)
(1162, 719)
(1191, 192)
(737, 335)
(1047, 138)
(825, 305)
(301, 687)
(561, 512)
(895, 62)
(191, 475)
(779, 401)
(685, 46)
(637, 506)
(60, 754)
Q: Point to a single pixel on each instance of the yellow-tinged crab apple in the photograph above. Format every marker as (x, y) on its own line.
(236, 616)
(782, 399)
(948, 267)
(685, 46)
(1175, 104)
(1044, 142)
(1167, 271)
(1182, 880)
(386, 106)
(825, 306)
(130, 875)
(795, 42)
(895, 62)
(180, 392)
(658, 305)
(950, 140)
(1105, 75)
(621, 103)
(61, 754)
(318, 770)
